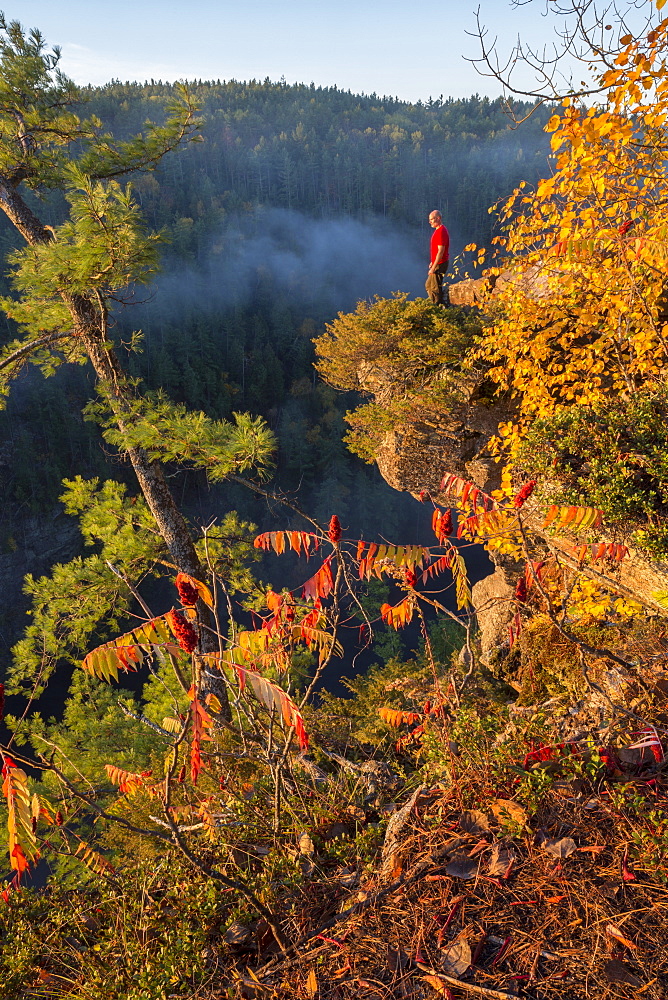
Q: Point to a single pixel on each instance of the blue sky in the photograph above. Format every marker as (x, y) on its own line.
(395, 48)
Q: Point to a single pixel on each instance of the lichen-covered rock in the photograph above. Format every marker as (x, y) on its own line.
(415, 456)
(470, 292)
(492, 599)
(478, 291)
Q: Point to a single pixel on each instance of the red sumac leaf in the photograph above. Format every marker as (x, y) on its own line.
(398, 615)
(627, 873)
(319, 585)
(18, 861)
(127, 781)
(521, 590)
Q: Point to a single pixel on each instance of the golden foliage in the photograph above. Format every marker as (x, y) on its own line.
(395, 717)
(129, 650)
(20, 808)
(583, 315)
(398, 615)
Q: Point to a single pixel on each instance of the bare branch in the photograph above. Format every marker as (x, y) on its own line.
(586, 43)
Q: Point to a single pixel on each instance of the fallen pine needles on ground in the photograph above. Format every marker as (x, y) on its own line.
(484, 896)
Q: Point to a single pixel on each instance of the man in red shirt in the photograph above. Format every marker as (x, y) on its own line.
(440, 253)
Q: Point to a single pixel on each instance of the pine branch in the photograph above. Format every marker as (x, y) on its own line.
(28, 349)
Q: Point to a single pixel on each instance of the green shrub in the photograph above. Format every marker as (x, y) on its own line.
(406, 356)
(612, 456)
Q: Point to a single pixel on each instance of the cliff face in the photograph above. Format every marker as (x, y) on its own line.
(418, 454)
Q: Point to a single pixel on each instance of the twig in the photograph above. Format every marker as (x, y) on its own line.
(483, 991)
(146, 722)
(430, 659)
(277, 497)
(133, 590)
(181, 829)
(432, 864)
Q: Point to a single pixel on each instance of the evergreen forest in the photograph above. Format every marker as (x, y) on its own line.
(297, 202)
(333, 657)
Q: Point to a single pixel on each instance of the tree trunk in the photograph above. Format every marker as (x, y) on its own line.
(89, 325)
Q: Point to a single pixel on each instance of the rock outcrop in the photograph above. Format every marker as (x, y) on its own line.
(415, 457)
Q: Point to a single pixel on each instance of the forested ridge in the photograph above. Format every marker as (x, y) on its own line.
(364, 164)
(330, 152)
(192, 812)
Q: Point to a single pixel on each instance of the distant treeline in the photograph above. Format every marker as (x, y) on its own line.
(329, 152)
(318, 152)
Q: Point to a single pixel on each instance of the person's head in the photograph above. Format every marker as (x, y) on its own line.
(435, 219)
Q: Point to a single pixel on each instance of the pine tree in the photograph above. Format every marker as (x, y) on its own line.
(69, 276)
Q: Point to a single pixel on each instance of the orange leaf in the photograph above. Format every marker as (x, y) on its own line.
(468, 525)
(320, 585)
(438, 566)
(574, 518)
(615, 933)
(202, 722)
(395, 717)
(128, 782)
(201, 588)
(311, 985)
(20, 815)
(439, 985)
(93, 860)
(273, 600)
(18, 861)
(295, 541)
(123, 653)
(399, 615)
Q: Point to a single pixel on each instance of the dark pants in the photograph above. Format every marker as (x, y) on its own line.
(434, 285)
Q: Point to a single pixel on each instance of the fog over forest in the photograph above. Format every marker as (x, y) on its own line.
(333, 640)
(327, 264)
(299, 202)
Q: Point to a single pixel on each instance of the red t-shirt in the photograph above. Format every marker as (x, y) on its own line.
(440, 238)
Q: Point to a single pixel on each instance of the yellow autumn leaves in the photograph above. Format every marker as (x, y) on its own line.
(583, 315)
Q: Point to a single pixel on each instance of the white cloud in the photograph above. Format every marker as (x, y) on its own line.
(85, 65)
